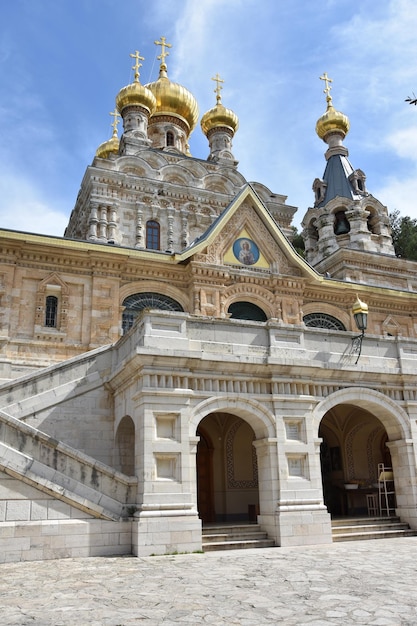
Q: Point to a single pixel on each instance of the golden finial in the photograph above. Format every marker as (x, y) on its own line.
(328, 87)
(115, 122)
(137, 65)
(163, 54)
(218, 87)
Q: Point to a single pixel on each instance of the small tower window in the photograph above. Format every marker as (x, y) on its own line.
(341, 223)
(51, 311)
(152, 235)
(170, 138)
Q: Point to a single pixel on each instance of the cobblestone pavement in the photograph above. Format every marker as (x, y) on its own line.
(364, 582)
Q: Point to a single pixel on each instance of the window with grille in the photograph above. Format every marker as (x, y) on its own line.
(322, 320)
(51, 311)
(148, 300)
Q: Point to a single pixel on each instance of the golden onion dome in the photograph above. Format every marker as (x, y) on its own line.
(172, 98)
(136, 94)
(219, 116)
(332, 120)
(111, 146)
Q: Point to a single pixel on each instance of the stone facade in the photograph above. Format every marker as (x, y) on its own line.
(172, 361)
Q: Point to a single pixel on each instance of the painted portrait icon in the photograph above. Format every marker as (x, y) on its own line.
(246, 251)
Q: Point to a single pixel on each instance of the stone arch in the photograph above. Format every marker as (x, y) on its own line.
(125, 446)
(163, 288)
(254, 413)
(394, 419)
(328, 309)
(246, 417)
(259, 296)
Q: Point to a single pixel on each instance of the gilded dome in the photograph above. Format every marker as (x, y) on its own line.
(136, 94)
(332, 121)
(219, 116)
(111, 146)
(174, 99)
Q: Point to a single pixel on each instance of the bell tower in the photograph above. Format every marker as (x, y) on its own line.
(345, 214)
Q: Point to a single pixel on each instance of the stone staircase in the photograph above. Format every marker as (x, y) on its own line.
(355, 529)
(234, 537)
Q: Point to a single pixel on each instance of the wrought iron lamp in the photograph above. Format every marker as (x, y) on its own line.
(360, 313)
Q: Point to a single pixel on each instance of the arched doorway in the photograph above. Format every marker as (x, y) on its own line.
(354, 443)
(227, 471)
(125, 446)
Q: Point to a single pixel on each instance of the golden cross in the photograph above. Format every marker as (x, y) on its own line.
(163, 54)
(115, 122)
(137, 65)
(327, 80)
(218, 87)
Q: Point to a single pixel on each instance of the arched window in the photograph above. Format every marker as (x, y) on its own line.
(170, 138)
(51, 311)
(152, 235)
(148, 300)
(341, 223)
(246, 311)
(322, 320)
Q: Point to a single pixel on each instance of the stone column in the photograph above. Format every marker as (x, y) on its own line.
(403, 456)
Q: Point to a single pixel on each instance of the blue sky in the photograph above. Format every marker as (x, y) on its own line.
(62, 62)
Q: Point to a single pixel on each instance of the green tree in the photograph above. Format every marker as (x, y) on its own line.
(298, 242)
(404, 235)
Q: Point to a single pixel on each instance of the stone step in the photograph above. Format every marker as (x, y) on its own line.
(382, 534)
(238, 545)
(356, 529)
(235, 537)
(363, 521)
(368, 528)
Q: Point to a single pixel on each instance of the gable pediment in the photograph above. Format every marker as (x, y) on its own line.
(246, 236)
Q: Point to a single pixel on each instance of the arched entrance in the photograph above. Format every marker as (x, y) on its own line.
(227, 471)
(354, 443)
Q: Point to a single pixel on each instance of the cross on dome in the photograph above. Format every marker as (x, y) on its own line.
(163, 54)
(116, 120)
(218, 87)
(328, 87)
(137, 65)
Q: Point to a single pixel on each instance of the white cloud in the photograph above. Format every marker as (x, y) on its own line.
(24, 208)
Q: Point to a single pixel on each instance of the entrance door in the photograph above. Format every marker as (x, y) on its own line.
(227, 472)
(205, 500)
(354, 442)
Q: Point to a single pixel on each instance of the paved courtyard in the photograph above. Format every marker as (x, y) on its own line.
(365, 582)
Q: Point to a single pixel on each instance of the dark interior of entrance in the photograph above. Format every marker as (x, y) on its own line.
(353, 444)
(227, 473)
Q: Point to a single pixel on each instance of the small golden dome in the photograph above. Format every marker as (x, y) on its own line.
(219, 116)
(172, 98)
(136, 94)
(332, 120)
(111, 146)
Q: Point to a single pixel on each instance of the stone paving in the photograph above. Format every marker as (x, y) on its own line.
(366, 582)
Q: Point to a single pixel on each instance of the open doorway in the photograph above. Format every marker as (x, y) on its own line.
(227, 472)
(353, 445)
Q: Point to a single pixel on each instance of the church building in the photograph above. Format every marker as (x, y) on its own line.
(171, 364)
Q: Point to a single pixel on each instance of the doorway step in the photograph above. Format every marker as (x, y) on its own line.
(355, 529)
(235, 537)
